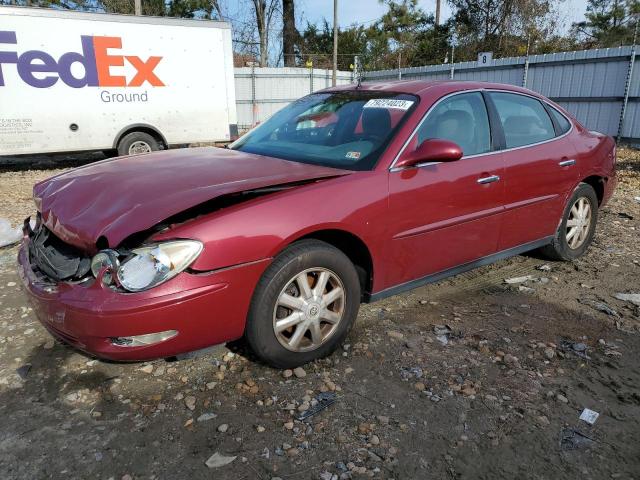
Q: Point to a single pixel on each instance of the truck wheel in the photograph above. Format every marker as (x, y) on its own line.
(304, 305)
(135, 143)
(577, 228)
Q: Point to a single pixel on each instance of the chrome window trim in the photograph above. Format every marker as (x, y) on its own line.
(492, 152)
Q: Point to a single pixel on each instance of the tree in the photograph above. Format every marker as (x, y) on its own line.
(160, 8)
(404, 35)
(289, 33)
(608, 22)
(264, 11)
(316, 43)
(413, 38)
(505, 27)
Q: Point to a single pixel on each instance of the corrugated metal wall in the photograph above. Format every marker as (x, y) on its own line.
(260, 92)
(590, 83)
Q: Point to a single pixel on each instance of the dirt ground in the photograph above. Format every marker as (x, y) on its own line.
(496, 395)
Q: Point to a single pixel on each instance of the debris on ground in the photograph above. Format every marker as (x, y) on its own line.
(516, 280)
(442, 333)
(600, 306)
(23, 371)
(629, 297)
(206, 417)
(577, 348)
(8, 234)
(323, 400)
(216, 460)
(408, 373)
(573, 439)
(589, 416)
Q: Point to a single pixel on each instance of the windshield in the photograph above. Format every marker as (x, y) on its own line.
(348, 130)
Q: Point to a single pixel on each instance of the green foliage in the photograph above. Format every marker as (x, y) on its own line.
(406, 35)
(609, 22)
(159, 8)
(404, 32)
(316, 44)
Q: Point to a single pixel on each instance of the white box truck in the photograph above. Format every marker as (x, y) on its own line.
(74, 81)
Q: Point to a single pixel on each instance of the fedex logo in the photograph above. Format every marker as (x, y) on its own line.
(41, 70)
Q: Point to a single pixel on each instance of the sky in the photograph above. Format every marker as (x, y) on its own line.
(366, 11)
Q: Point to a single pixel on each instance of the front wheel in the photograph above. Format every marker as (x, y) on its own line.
(304, 305)
(578, 226)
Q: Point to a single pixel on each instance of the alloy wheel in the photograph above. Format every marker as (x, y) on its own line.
(579, 223)
(309, 309)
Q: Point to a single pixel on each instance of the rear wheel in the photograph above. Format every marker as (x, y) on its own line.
(135, 143)
(578, 226)
(304, 305)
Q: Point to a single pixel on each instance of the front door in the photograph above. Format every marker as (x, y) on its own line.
(444, 215)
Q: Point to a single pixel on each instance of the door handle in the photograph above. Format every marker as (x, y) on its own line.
(567, 163)
(490, 179)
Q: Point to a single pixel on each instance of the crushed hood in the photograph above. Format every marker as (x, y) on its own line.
(119, 197)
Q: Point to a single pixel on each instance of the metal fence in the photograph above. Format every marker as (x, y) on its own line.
(260, 92)
(600, 87)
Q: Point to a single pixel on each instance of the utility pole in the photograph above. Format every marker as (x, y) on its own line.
(437, 12)
(335, 42)
(138, 7)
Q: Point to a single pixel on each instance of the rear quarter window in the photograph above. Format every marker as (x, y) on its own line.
(563, 124)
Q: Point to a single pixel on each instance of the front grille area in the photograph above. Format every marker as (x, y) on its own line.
(54, 258)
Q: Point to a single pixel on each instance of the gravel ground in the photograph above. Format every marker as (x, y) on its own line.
(470, 378)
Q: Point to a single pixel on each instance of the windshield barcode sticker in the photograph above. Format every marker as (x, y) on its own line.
(389, 103)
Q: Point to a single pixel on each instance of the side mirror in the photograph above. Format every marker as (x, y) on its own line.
(433, 150)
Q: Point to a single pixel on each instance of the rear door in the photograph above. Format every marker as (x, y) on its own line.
(447, 214)
(540, 168)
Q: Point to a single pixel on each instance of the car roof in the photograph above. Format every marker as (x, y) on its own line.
(425, 87)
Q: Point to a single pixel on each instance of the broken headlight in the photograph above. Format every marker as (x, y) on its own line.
(154, 264)
(105, 259)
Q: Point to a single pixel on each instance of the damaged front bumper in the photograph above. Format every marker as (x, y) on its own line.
(204, 309)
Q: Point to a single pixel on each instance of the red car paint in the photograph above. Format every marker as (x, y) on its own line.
(415, 224)
(135, 193)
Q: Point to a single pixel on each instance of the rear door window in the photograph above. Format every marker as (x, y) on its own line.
(524, 119)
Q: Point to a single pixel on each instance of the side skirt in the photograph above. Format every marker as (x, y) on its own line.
(465, 267)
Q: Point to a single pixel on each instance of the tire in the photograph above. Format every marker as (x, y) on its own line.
(562, 248)
(281, 283)
(140, 141)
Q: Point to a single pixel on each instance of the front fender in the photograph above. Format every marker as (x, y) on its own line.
(262, 227)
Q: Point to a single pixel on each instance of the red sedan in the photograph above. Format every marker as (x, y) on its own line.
(345, 196)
